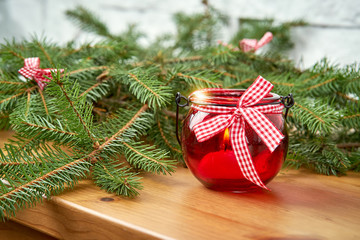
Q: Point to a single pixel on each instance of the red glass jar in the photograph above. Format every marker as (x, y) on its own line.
(213, 161)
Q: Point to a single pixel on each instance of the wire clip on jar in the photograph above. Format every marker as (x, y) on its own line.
(234, 139)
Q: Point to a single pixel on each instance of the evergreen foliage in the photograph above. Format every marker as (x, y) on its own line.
(111, 114)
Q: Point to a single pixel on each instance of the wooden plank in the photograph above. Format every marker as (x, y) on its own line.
(301, 205)
(14, 231)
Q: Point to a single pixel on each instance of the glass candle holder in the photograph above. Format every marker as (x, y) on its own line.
(213, 161)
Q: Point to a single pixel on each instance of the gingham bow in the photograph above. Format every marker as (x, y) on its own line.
(31, 70)
(252, 44)
(234, 118)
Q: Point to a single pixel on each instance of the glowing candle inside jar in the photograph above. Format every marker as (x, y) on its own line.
(226, 140)
(220, 164)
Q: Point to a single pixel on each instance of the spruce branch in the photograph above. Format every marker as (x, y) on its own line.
(12, 48)
(147, 88)
(86, 112)
(143, 84)
(225, 74)
(15, 163)
(94, 68)
(352, 116)
(242, 82)
(116, 178)
(43, 100)
(125, 125)
(148, 158)
(8, 99)
(167, 142)
(315, 117)
(320, 84)
(13, 83)
(87, 21)
(184, 59)
(199, 82)
(85, 47)
(45, 53)
(48, 129)
(27, 103)
(348, 145)
(28, 185)
(347, 97)
(90, 89)
(16, 54)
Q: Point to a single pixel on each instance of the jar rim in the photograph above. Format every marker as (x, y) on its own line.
(227, 97)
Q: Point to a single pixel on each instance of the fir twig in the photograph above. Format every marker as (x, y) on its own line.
(48, 129)
(18, 94)
(242, 82)
(126, 126)
(90, 88)
(27, 103)
(16, 54)
(10, 194)
(142, 155)
(43, 101)
(352, 116)
(311, 112)
(165, 139)
(320, 84)
(13, 83)
(347, 97)
(76, 111)
(87, 69)
(45, 53)
(199, 79)
(348, 145)
(144, 85)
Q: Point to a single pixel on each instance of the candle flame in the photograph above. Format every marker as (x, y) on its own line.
(226, 139)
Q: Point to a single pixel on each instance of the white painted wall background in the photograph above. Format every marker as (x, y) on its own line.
(23, 18)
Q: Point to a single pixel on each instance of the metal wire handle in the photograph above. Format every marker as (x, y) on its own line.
(178, 98)
(288, 102)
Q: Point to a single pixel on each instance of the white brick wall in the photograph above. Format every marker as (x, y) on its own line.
(22, 18)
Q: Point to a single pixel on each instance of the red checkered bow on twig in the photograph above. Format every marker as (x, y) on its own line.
(247, 45)
(31, 70)
(234, 118)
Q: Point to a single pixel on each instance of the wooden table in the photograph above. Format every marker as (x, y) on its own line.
(301, 205)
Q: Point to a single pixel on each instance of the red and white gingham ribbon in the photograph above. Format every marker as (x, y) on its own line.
(234, 118)
(247, 45)
(31, 70)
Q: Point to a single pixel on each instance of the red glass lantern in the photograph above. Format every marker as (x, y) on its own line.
(213, 162)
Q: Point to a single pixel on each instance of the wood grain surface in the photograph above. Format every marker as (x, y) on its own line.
(301, 205)
(14, 231)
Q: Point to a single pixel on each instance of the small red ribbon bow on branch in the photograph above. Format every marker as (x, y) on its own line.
(31, 70)
(234, 118)
(247, 45)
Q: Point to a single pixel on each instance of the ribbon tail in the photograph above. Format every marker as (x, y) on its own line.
(242, 153)
(268, 36)
(40, 83)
